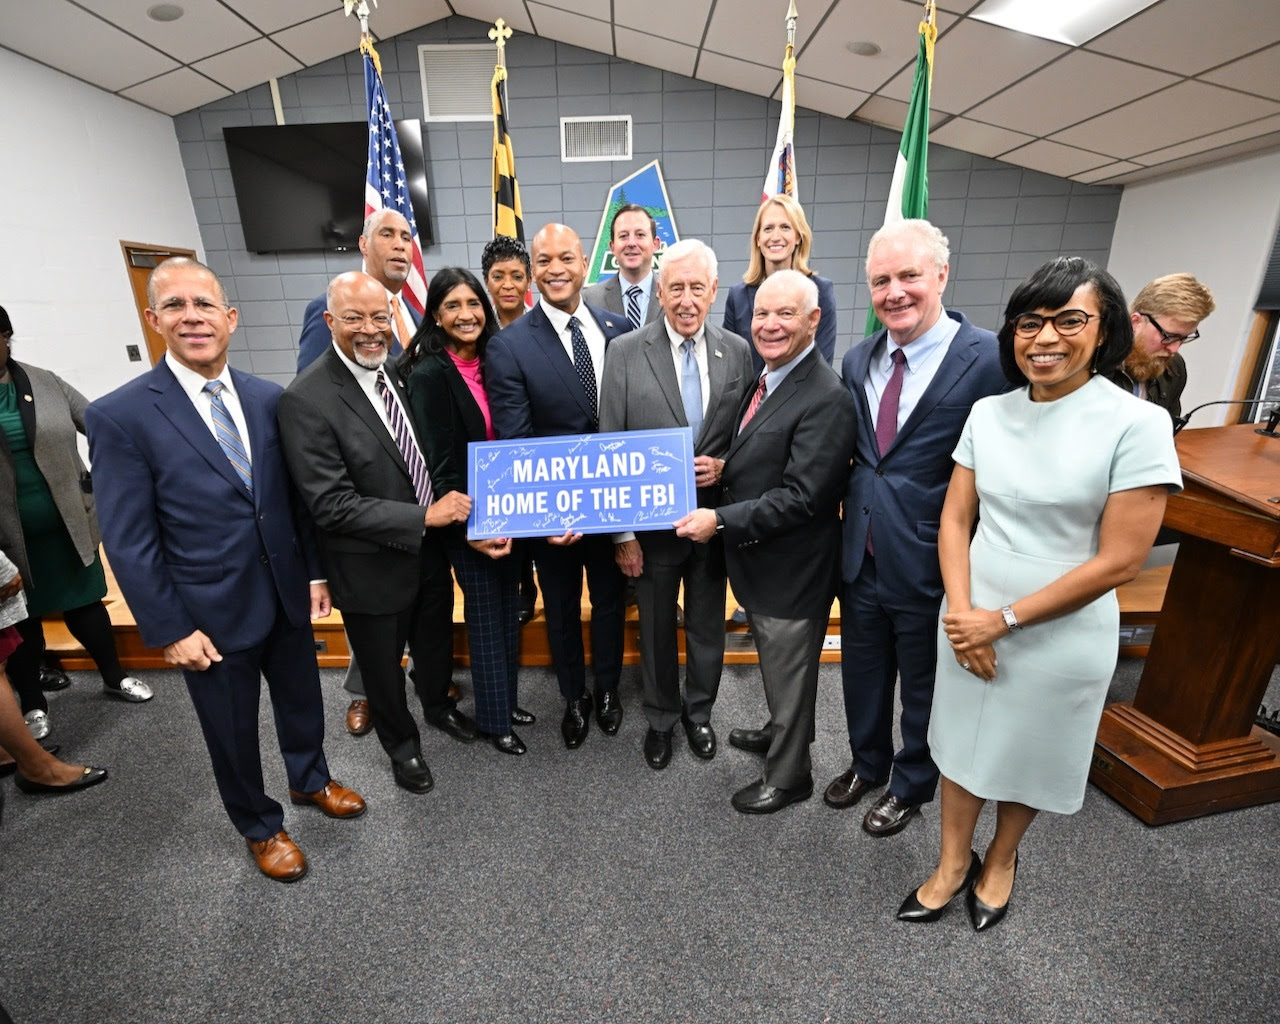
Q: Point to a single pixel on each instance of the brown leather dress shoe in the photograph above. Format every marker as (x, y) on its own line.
(278, 857)
(336, 800)
(358, 720)
(847, 789)
(888, 816)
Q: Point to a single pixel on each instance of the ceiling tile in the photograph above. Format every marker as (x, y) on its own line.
(248, 65)
(964, 72)
(892, 114)
(273, 15)
(756, 30)
(1166, 118)
(177, 92)
(205, 28)
(1072, 89)
(1053, 158)
(825, 97)
(1106, 171)
(598, 9)
(1215, 141)
(392, 19)
(893, 26)
(75, 42)
(1258, 74)
(575, 29)
(672, 19)
(319, 39)
(490, 11)
(976, 137)
(738, 74)
(654, 52)
(1188, 36)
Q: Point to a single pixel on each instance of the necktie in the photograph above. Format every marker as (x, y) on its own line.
(887, 416)
(756, 399)
(633, 306)
(228, 437)
(691, 388)
(402, 329)
(582, 362)
(404, 441)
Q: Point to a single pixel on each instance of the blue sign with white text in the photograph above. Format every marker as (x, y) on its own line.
(589, 483)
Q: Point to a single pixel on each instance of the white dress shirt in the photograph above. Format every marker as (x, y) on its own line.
(699, 353)
(590, 331)
(193, 384)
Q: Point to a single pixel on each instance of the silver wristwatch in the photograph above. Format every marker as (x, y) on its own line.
(1010, 620)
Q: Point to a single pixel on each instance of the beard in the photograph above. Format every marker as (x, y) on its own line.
(1142, 366)
(370, 362)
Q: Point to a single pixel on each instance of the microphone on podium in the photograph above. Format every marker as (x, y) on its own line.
(1270, 431)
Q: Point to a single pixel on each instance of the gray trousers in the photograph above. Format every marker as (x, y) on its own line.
(789, 651)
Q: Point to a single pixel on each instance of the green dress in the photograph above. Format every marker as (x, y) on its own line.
(58, 579)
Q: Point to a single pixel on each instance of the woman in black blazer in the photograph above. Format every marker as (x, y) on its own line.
(780, 240)
(444, 365)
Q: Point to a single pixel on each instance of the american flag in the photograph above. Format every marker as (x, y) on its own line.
(386, 184)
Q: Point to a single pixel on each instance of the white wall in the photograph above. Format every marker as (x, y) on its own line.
(1218, 224)
(83, 171)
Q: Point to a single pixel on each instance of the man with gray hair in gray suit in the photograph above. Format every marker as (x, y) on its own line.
(679, 371)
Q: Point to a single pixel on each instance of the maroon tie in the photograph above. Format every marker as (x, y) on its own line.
(887, 417)
(756, 399)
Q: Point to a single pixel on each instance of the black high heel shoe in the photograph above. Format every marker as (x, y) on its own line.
(984, 916)
(915, 911)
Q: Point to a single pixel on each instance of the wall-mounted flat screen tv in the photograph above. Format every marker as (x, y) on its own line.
(301, 186)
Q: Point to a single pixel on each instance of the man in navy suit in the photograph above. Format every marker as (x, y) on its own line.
(913, 384)
(199, 519)
(543, 374)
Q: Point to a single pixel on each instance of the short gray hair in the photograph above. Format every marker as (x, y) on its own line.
(933, 240)
(795, 279)
(688, 248)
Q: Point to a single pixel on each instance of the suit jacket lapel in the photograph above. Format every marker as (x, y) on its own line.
(959, 357)
(773, 402)
(173, 403)
(717, 374)
(657, 349)
(355, 399)
(548, 341)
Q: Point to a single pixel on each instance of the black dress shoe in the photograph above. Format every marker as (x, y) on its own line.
(413, 775)
(913, 910)
(53, 678)
(702, 738)
(509, 744)
(519, 716)
(457, 725)
(847, 789)
(525, 613)
(759, 798)
(888, 816)
(609, 713)
(657, 748)
(981, 914)
(576, 721)
(756, 741)
(89, 777)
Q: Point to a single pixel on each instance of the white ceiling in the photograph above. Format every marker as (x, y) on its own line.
(1182, 84)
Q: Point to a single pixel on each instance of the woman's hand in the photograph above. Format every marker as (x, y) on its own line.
(981, 661)
(978, 627)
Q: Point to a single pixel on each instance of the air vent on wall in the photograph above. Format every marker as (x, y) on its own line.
(457, 81)
(595, 138)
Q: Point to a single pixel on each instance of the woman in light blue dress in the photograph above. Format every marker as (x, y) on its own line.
(1066, 479)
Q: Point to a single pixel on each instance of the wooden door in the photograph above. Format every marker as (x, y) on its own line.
(141, 260)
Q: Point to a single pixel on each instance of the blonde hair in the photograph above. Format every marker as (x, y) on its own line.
(804, 239)
(1179, 296)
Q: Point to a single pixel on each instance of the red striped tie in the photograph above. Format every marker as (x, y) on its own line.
(756, 399)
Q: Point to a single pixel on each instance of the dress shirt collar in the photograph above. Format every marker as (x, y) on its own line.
(773, 378)
(678, 339)
(921, 350)
(559, 318)
(193, 383)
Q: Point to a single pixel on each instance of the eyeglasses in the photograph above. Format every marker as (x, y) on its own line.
(352, 322)
(1066, 323)
(177, 307)
(1170, 339)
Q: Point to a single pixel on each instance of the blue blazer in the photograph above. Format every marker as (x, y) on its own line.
(901, 494)
(190, 547)
(740, 303)
(533, 389)
(316, 336)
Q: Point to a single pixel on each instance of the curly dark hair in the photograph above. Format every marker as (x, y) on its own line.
(1051, 287)
(503, 248)
(430, 336)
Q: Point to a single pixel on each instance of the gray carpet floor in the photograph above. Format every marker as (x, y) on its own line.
(582, 886)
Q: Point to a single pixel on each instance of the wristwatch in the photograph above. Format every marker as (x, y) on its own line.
(1010, 620)
(719, 523)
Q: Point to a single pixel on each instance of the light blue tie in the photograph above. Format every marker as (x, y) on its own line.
(228, 437)
(691, 388)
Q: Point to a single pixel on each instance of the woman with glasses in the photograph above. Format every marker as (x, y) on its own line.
(1066, 478)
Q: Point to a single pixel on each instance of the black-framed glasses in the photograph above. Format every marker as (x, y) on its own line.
(1170, 339)
(1065, 322)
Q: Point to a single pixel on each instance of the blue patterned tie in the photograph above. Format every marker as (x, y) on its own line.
(691, 387)
(633, 306)
(404, 441)
(228, 437)
(582, 363)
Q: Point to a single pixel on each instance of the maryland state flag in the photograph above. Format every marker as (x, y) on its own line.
(508, 218)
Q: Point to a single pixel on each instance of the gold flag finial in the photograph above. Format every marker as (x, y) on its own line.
(500, 33)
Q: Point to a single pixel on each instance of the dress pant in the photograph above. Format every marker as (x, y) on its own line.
(790, 651)
(226, 697)
(657, 594)
(560, 573)
(880, 645)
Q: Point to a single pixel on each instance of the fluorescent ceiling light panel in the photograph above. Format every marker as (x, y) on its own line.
(1073, 22)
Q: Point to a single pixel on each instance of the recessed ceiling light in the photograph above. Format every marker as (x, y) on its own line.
(862, 48)
(1073, 22)
(165, 12)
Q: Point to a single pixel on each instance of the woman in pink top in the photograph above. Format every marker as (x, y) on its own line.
(444, 365)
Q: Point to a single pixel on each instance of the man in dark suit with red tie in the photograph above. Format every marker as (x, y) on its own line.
(543, 375)
(198, 517)
(356, 457)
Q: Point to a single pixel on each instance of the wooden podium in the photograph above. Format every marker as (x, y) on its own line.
(1187, 745)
